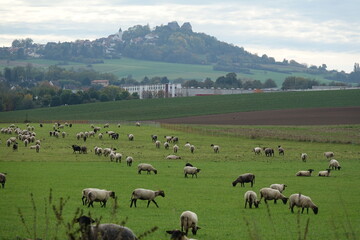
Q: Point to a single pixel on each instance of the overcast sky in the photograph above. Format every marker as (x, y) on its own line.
(308, 31)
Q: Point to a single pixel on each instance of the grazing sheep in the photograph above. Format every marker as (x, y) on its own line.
(272, 194)
(257, 150)
(15, 147)
(145, 194)
(118, 157)
(85, 193)
(280, 187)
(192, 148)
(304, 173)
(3, 179)
(84, 149)
(107, 125)
(129, 161)
(304, 157)
(191, 170)
(334, 164)
(281, 150)
(174, 139)
(175, 148)
(137, 124)
(146, 167)
(131, 137)
(251, 198)
(99, 196)
(166, 145)
(189, 220)
(329, 154)
(168, 138)
(106, 231)
(76, 148)
(216, 148)
(157, 144)
(178, 235)
(244, 178)
(187, 144)
(324, 173)
(100, 136)
(302, 201)
(173, 157)
(154, 138)
(269, 152)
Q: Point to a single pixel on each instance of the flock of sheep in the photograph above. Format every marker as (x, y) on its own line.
(188, 219)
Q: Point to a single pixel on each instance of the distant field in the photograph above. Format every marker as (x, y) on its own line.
(152, 109)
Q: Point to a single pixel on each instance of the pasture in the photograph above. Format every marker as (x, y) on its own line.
(219, 205)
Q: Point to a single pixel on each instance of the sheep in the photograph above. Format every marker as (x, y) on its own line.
(178, 235)
(106, 125)
(118, 157)
(76, 148)
(168, 138)
(192, 148)
(191, 170)
(324, 173)
(129, 161)
(15, 147)
(85, 193)
(154, 138)
(244, 178)
(3, 179)
(269, 152)
(173, 157)
(145, 194)
(174, 139)
(251, 198)
(334, 164)
(137, 124)
(130, 137)
(187, 144)
(99, 196)
(329, 154)
(189, 220)
(216, 148)
(257, 150)
(112, 156)
(100, 136)
(302, 201)
(304, 173)
(272, 194)
(280, 187)
(106, 231)
(175, 148)
(157, 144)
(166, 145)
(304, 157)
(84, 149)
(146, 167)
(281, 150)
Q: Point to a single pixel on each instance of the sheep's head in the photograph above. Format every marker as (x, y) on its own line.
(84, 221)
(315, 210)
(112, 194)
(194, 229)
(311, 170)
(338, 167)
(256, 203)
(155, 171)
(284, 200)
(234, 183)
(198, 170)
(176, 234)
(161, 193)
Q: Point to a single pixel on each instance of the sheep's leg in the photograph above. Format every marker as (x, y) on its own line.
(133, 201)
(292, 209)
(302, 210)
(148, 203)
(104, 204)
(90, 204)
(250, 204)
(185, 175)
(154, 202)
(275, 201)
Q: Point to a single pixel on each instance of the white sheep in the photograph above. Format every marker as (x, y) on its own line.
(85, 193)
(272, 194)
(118, 157)
(187, 144)
(129, 160)
(251, 198)
(329, 154)
(99, 196)
(281, 150)
(257, 150)
(189, 220)
(216, 148)
(131, 137)
(146, 167)
(191, 170)
(304, 173)
(277, 186)
(106, 231)
(325, 173)
(175, 148)
(157, 144)
(173, 157)
(302, 201)
(334, 164)
(145, 194)
(3, 179)
(304, 157)
(178, 235)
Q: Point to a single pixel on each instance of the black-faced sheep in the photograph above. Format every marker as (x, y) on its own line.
(191, 170)
(281, 150)
(131, 137)
(76, 148)
(334, 164)
(3, 179)
(189, 220)
(277, 186)
(145, 194)
(166, 145)
(154, 138)
(178, 235)
(272, 194)
(244, 178)
(146, 167)
(302, 201)
(304, 173)
(325, 173)
(106, 231)
(257, 150)
(251, 198)
(329, 154)
(99, 196)
(269, 152)
(304, 157)
(216, 148)
(129, 160)
(85, 193)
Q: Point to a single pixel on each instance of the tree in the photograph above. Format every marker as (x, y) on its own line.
(269, 83)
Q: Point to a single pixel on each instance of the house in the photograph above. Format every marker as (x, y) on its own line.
(104, 83)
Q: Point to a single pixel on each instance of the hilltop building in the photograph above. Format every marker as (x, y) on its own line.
(156, 90)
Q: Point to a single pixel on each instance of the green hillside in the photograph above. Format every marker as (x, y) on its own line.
(134, 110)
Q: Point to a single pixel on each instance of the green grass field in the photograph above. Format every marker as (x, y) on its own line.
(136, 110)
(219, 206)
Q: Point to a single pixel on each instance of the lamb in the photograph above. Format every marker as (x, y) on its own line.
(304, 173)
(329, 154)
(129, 161)
(145, 194)
(324, 173)
(257, 150)
(191, 170)
(304, 157)
(281, 150)
(251, 198)
(272, 194)
(334, 164)
(175, 148)
(269, 152)
(118, 157)
(146, 167)
(189, 220)
(302, 201)
(192, 148)
(178, 235)
(3, 179)
(106, 231)
(173, 157)
(244, 178)
(157, 144)
(280, 187)
(216, 148)
(99, 196)
(131, 137)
